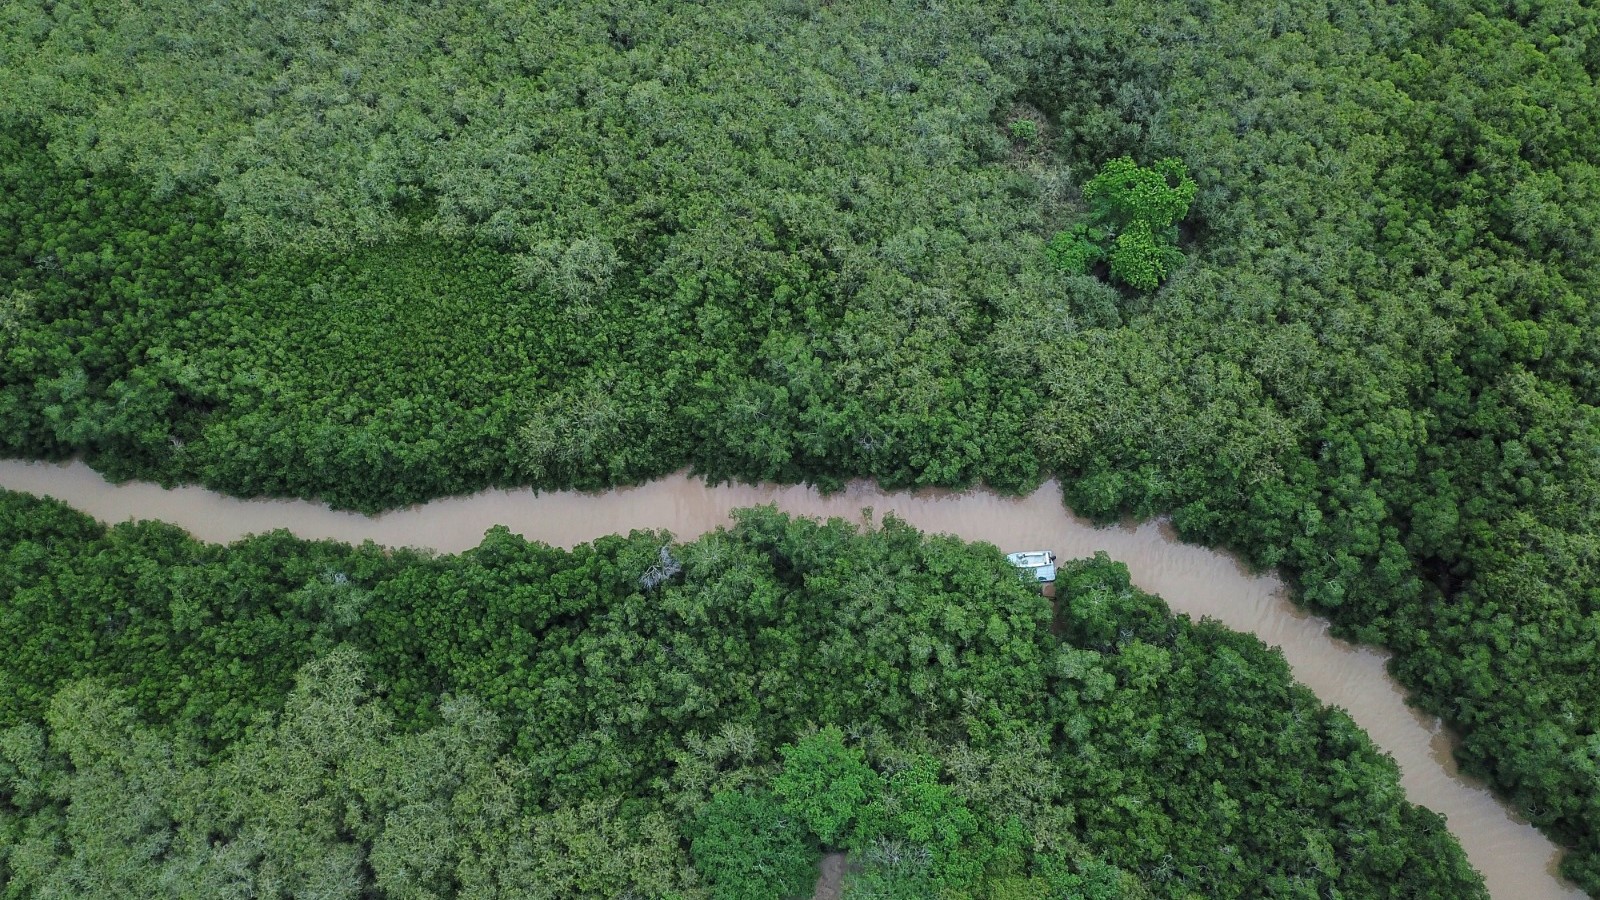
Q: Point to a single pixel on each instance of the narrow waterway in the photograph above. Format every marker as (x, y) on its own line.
(1518, 862)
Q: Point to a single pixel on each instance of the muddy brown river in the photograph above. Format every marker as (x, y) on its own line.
(1518, 862)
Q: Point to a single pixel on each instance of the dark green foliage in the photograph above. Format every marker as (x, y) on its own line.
(826, 785)
(1077, 248)
(324, 799)
(919, 839)
(746, 846)
(378, 254)
(797, 684)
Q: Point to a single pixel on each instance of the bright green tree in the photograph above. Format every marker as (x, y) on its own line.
(1137, 209)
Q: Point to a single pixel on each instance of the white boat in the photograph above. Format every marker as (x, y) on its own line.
(1042, 563)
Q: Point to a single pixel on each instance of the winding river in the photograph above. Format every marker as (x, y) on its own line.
(1518, 862)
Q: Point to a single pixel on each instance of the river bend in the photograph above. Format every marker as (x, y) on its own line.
(1517, 862)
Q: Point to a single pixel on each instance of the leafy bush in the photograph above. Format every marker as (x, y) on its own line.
(1025, 131)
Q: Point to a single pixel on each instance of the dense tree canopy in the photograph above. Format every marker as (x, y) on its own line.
(378, 252)
(282, 718)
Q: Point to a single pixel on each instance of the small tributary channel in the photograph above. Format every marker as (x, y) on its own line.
(1517, 861)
